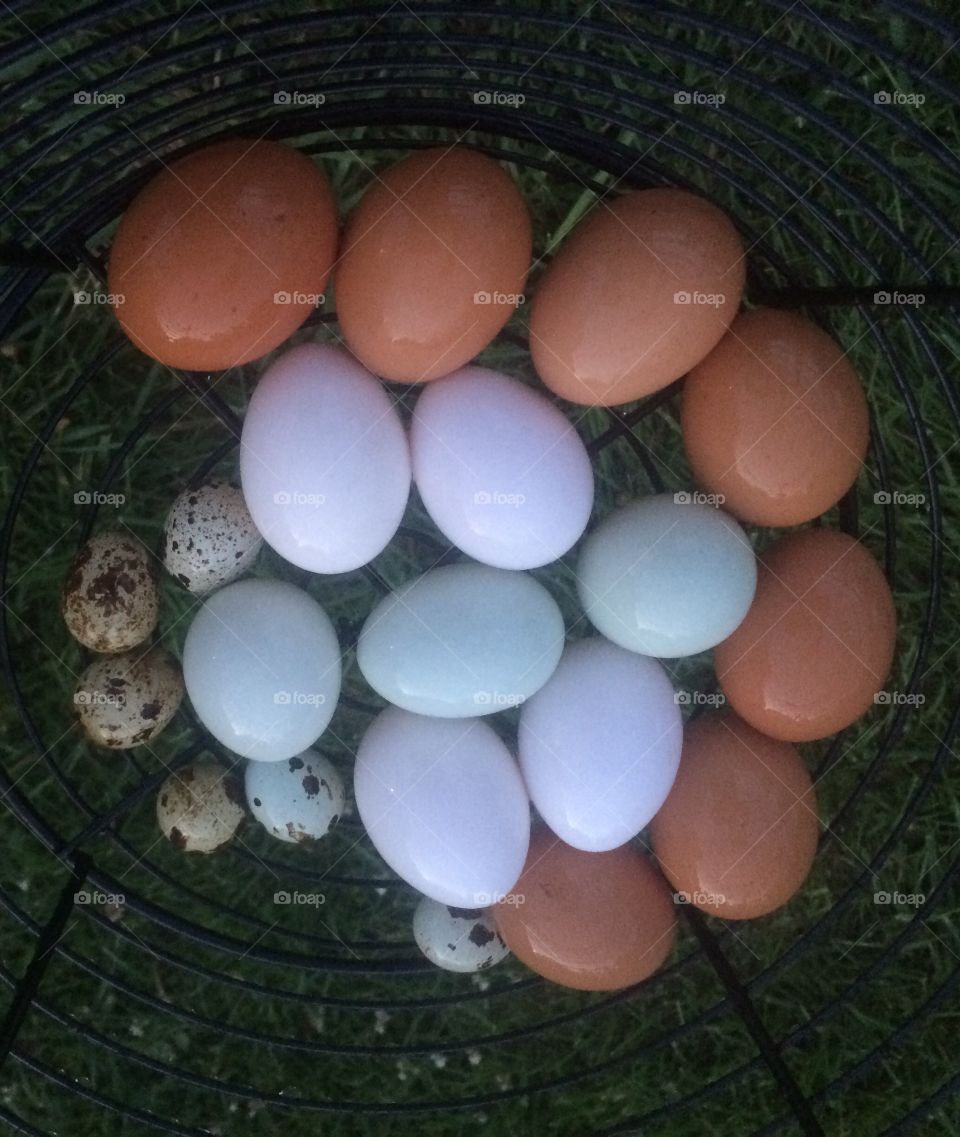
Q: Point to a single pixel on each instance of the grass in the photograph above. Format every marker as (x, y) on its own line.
(874, 965)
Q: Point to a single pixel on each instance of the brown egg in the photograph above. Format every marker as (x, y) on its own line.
(775, 419)
(817, 642)
(223, 254)
(593, 921)
(738, 831)
(433, 264)
(638, 295)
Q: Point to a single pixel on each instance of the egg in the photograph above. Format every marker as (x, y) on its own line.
(818, 641)
(591, 921)
(775, 419)
(324, 460)
(462, 640)
(223, 254)
(209, 537)
(641, 291)
(261, 663)
(666, 576)
(110, 598)
(127, 699)
(433, 263)
(738, 832)
(298, 800)
(599, 744)
(457, 939)
(502, 472)
(200, 807)
(444, 805)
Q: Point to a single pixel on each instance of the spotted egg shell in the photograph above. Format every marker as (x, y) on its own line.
(209, 537)
(126, 700)
(297, 800)
(110, 599)
(200, 807)
(457, 939)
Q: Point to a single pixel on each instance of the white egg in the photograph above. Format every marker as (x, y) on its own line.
(324, 460)
(457, 939)
(502, 472)
(462, 640)
(667, 577)
(209, 537)
(443, 802)
(600, 744)
(261, 664)
(297, 800)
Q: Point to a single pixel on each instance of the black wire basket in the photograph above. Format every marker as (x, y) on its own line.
(151, 993)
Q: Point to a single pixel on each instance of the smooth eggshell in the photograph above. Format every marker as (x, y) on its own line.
(127, 699)
(592, 921)
(608, 324)
(200, 807)
(775, 419)
(206, 248)
(738, 831)
(324, 460)
(457, 939)
(432, 237)
(444, 805)
(502, 472)
(462, 640)
(261, 665)
(599, 744)
(818, 641)
(297, 800)
(209, 537)
(666, 577)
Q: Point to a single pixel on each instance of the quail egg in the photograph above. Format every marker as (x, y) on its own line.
(457, 939)
(296, 800)
(200, 807)
(209, 537)
(110, 598)
(126, 700)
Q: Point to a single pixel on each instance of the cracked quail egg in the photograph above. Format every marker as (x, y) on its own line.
(126, 700)
(297, 800)
(209, 537)
(200, 807)
(457, 939)
(110, 598)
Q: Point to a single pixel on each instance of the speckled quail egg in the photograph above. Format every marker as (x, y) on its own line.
(201, 806)
(110, 598)
(126, 700)
(297, 800)
(209, 537)
(457, 939)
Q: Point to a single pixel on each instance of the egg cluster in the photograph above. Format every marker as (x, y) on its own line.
(225, 254)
